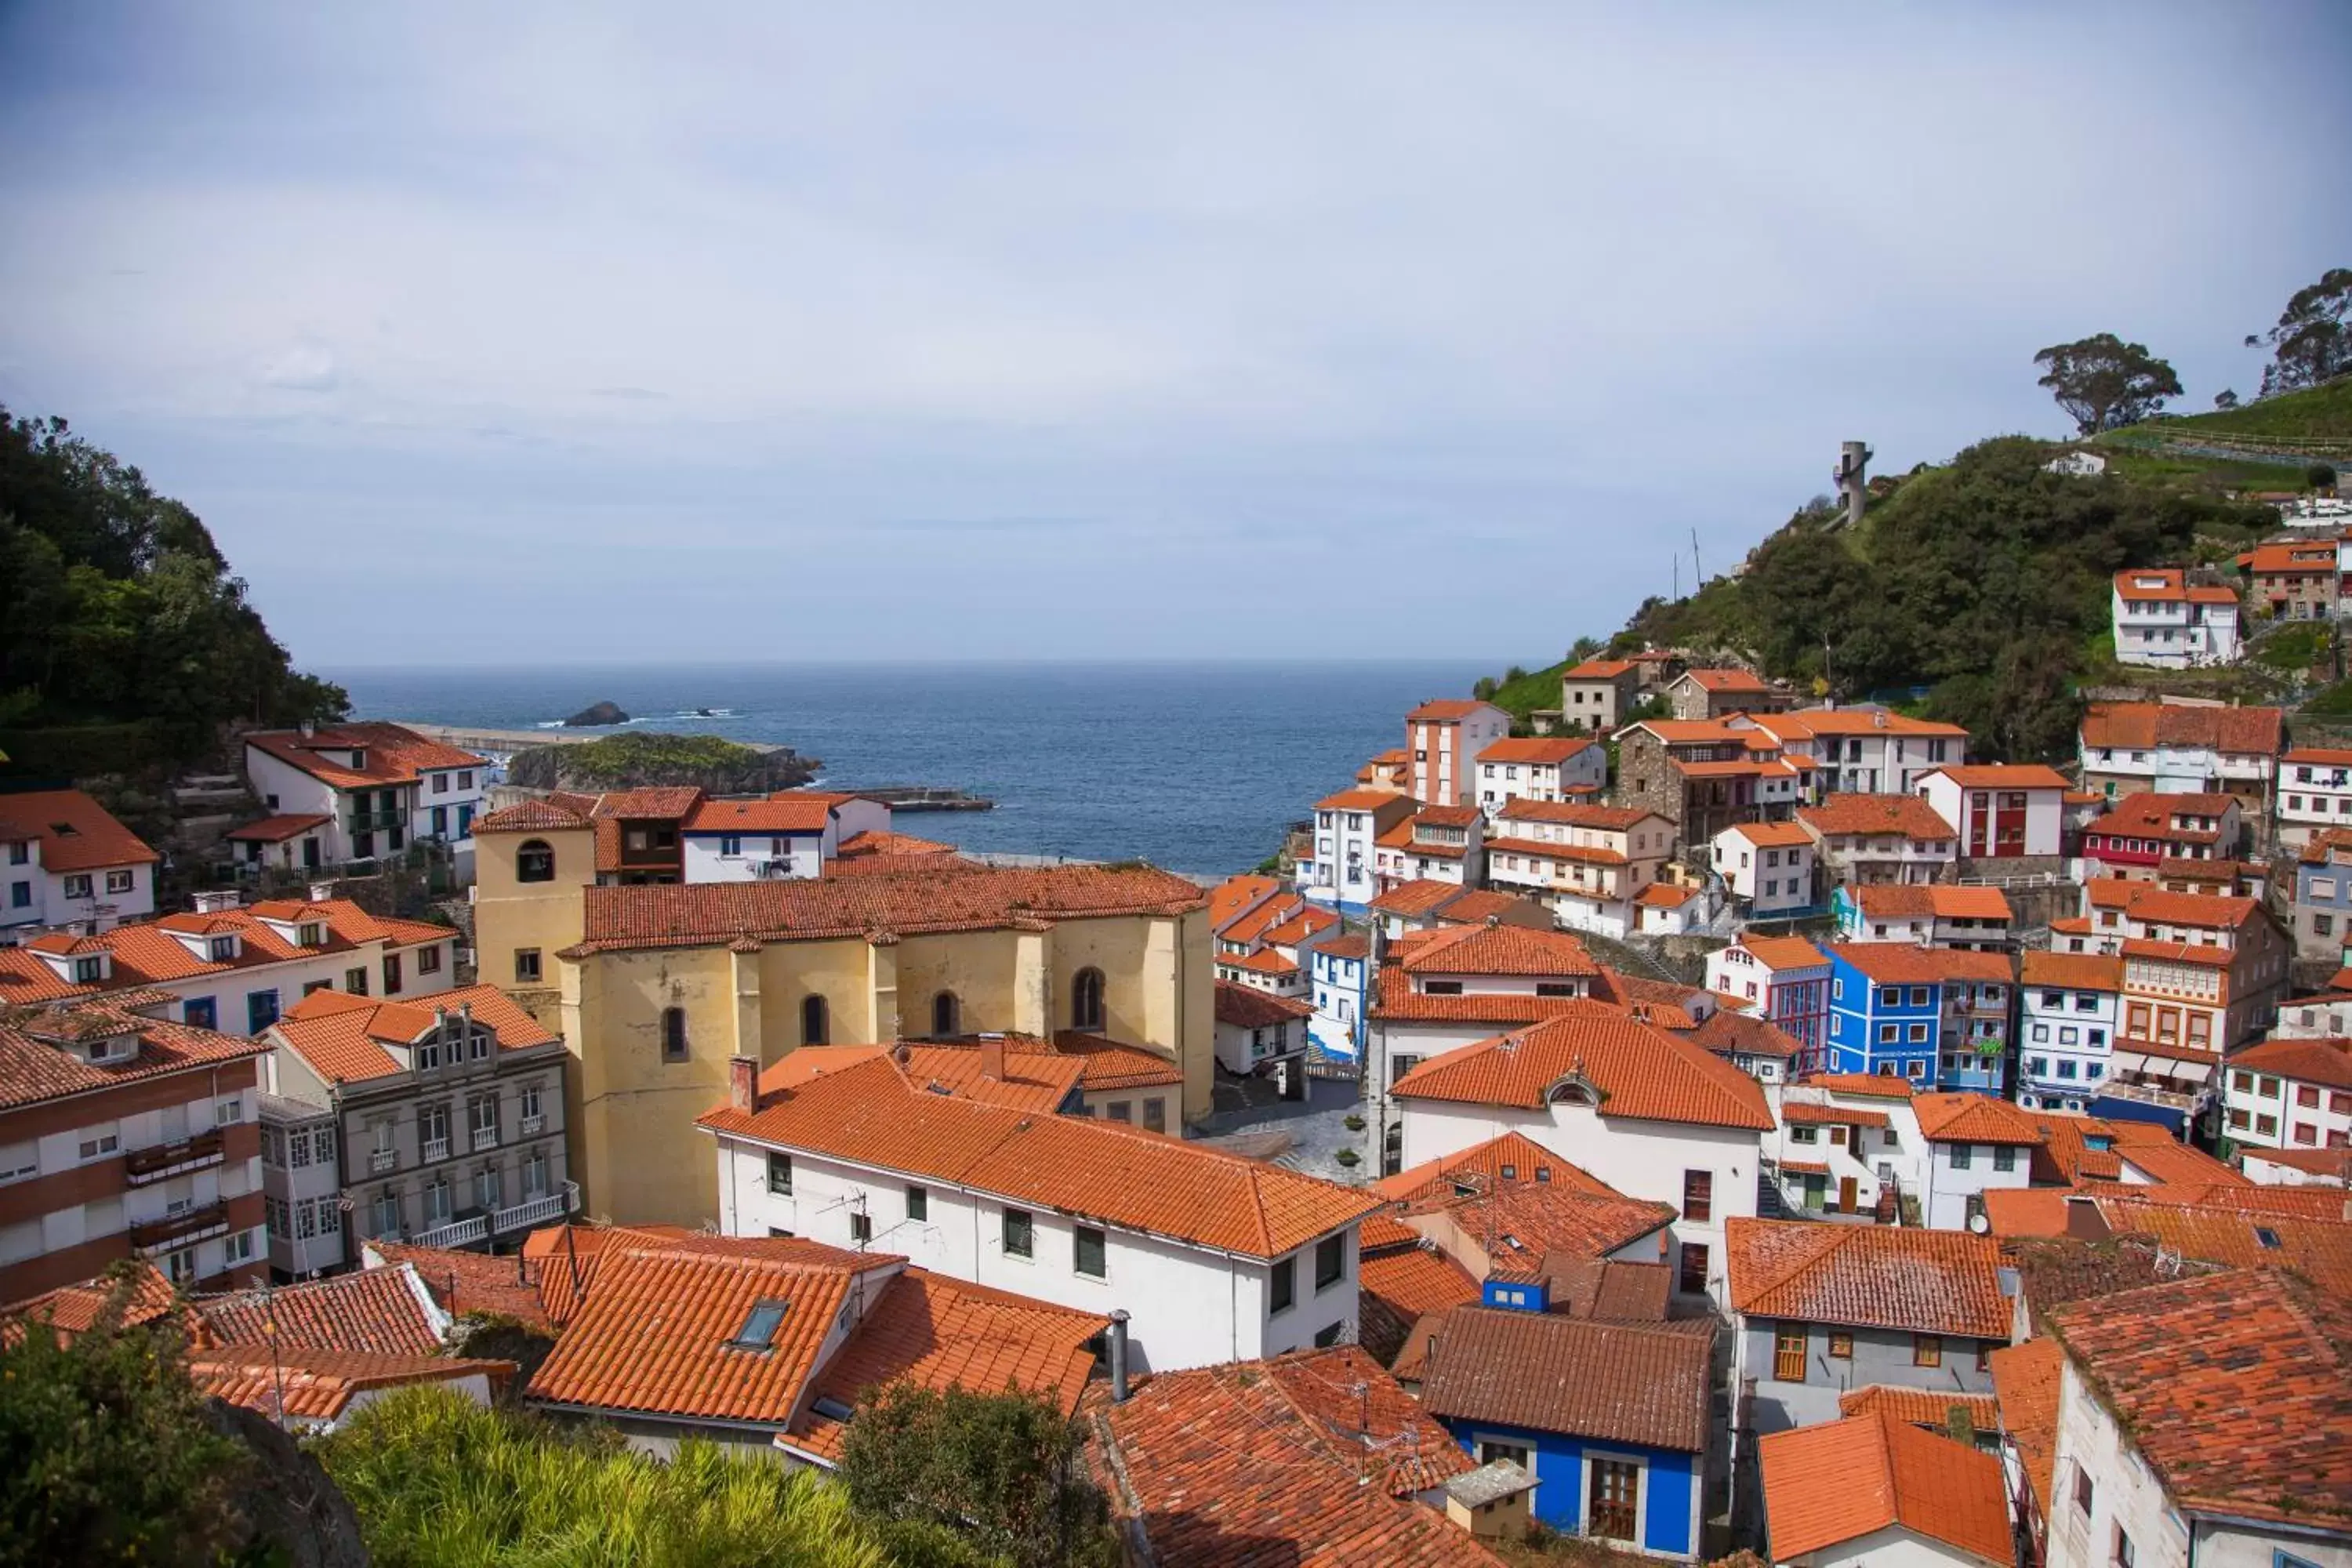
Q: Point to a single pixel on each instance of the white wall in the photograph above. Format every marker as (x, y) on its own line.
(1893, 1547)
(286, 791)
(1949, 1186)
(1190, 1305)
(803, 852)
(2082, 1051)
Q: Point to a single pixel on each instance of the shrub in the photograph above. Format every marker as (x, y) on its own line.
(1353, 1122)
(1349, 1158)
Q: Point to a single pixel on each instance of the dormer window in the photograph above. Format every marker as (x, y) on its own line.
(104, 1048)
(313, 934)
(89, 971)
(221, 949)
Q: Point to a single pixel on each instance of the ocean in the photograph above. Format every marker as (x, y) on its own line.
(1193, 766)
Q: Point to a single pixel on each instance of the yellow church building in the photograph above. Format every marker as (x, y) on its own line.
(654, 988)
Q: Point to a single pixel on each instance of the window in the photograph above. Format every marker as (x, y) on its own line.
(1926, 1350)
(1699, 1196)
(673, 1033)
(1155, 1114)
(428, 960)
(1963, 1155)
(1330, 1262)
(861, 1228)
(1088, 1252)
(1020, 1234)
(180, 1265)
(2004, 1158)
(101, 1146)
(1840, 1344)
(1491, 1449)
(780, 1173)
(1693, 1275)
(918, 1204)
(260, 1010)
(1120, 1110)
(1326, 1337)
(1789, 1353)
(1614, 1503)
(947, 1014)
(1801, 1135)
(77, 886)
(535, 861)
(2085, 1492)
(759, 1326)
(526, 965)
(1282, 1285)
(489, 1187)
(1087, 999)
(391, 973)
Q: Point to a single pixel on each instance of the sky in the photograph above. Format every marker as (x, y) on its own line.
(534, 334)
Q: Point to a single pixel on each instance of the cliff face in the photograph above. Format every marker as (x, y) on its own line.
(640, 760)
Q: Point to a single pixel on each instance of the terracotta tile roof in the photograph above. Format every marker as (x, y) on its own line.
(1266, 960)
(1664, 896)
(785, 812)
(2026, 1383)
(1844, 722)
(1771, 834)
(469, 1282)
(1587, 853)
(1254, 1465)
(867, 1114)
(391, 755)
(1395, 1000)
(2152, 585)
(1399, 1285)
(874, 844)
(76, 1309)
(2324, 1061)
(1940, 900)
(1547, 751)
(1975, 1118)
(1247, 1008)
(659, 1334)
(2025, 1211)
(1415, 897)
(2006, 775)
(2161, 905)
(149, 954)
(2236, 1389)
(35, 1066)
(2164, 1158)
(1499, 950)
(320, 1385)
(2320, 1249)
(1840, 1480)
(376, 1311)
(1907, 964)
(1922, 1281)
(1236, 895)
(1612, 1290)
(1689, 731)
(1779, 952)
(1641, 1072)
(2053, 1271)
(2143, 726)
(1373, 800)
(2335, 1164)
(1805, 1113)
(2150, 815)
(1726, 679)
(2319, 756)
(1512, 1157)
(2067, 1149)
(2072, 971)
(343, 1038)
(2292, 557)
(1574, 814)
(1622, 1382)
(563, 1259)
(1305, 923)
(1251, 925)
(278, 829)
(942, 898)
(531, 816)
(940, 1333)
(1599, 669)
(1444, 710)
(1345, 947)
(1870, 1085)
(1929, 1407)
(1728, 1032)
(1476, 907)
(2325, 845)
(77, 833)
(1525, 1227)
(1877, 816)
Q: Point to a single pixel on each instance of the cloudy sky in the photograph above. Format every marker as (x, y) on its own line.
(796, 332)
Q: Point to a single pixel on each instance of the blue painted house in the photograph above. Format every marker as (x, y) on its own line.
(1340, 981)
(1887, 1008)
(1610, 1417)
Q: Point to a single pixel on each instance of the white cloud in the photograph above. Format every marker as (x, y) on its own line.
(305, 367)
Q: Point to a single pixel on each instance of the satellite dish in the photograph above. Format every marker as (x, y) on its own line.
(1980, 1224)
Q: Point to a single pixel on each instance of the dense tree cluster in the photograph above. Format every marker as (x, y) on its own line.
(2313, 339)
(115, 604)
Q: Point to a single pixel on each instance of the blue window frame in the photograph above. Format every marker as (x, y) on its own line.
(260, 1010)
(200, 1012)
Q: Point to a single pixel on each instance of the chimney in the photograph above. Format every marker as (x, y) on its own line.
(992, 1058)
(1117, 1347)
(321, 892)
(743, 1083)
(309, 728)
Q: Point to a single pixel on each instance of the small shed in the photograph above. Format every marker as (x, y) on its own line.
(1491, 1501)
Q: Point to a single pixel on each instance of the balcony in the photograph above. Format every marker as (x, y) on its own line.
(532, 1126)
(180, 1229)
(457, 1234)
(375, 821)
(382, 1160)
(529, 1214)
(436, 1149)
(483, 1138)
(163, 1161)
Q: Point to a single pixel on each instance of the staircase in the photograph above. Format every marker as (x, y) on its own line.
(1768, 1202)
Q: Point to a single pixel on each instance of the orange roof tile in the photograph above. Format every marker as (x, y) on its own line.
(1500, 951)
(2142, 726)
(874, 844)
(1641, 1072)
(786, 812)
(962, 896)
(391, 755)
(149, 954)
(278, 829)
(320, 1385)
(1415, 897)
(2320, 1249)
(145, 1297)
(1929, 1407)
(1575, 814)
(1622, 1382)
(1779, 952)
(537, 815)
(1371, 800)
(36, 1064)
(868, 1115)
(76, 833)
(940, 1334)
(1395, 1001)
(1923, 1281)
(343, 1038)
(1450, 710)
(1664, 896)
(1974, 1118)
(2025, 1211)
(376, 1311)
(1726, 679)
(1235, 895)
(1877, 1086)
(2327, 1061)
(1840, 1480)
(2071, 971)
(1771, 834)
(1906, 964)
(2236, 1390)
(2006, 775)
(1544, 751)
(1247, 1008)
(467, 1282)
(1598, 669)
(1398, 1284)
(1512, 1157)
(1939, 900)
(1842, 721)
(1877, 816)
(2026, 1383)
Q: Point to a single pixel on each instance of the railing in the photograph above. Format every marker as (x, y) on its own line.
(179, 1229)
(484, 1138)
(382, 1160)
(532, 1125)
(375, 821)
(455, 1234)
(436, 1148)
(142, 1166)
(539, 1210)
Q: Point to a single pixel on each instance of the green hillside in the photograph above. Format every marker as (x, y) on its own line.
(2318, 412)
(2263, 446)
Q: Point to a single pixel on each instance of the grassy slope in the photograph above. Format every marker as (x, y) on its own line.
(2319, 411)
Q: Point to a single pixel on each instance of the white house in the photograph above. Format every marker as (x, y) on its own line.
(1449, 987)
(1933, 914)
(1257, 1028)
(792, 832)
(1438, 843)
(2178, 747)
(2142, 1472)
(1653, 1115)
(237, 969)
(1587, 863)
(1866, 838)
(1542, 767)
(385, 786)
(64, 860)
(2163, 620)
(1445, 738)
(1847, 1144)
(1217, 1258)
(1863, 750)
(2068, 1011)
(2291, 1094)
(2001, 810)
(2315, 792)
(1767, 866)
(1877, 1491)
(1347, 828)
(1339, 983)
(1976, 1142)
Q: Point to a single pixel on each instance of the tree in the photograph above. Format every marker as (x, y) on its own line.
(2313, 339)
(2225, 400)
(2104, 384)
(1004, 1468)
(2320, 475)
(104, 1452)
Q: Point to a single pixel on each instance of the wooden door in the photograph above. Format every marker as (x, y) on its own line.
(1847, 1194)
(1616, 1490)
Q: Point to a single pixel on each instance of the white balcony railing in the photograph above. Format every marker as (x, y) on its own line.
(382, 1160)
(455, 1234)
(484, 1138)
(436, 1148)
(539, 1210)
